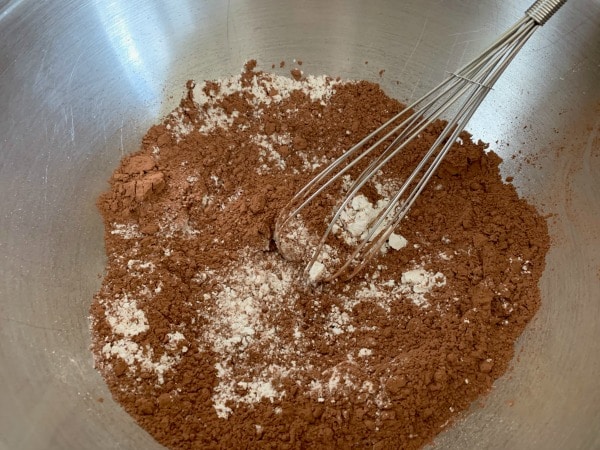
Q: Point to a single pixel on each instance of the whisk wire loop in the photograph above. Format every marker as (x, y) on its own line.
(462, 91)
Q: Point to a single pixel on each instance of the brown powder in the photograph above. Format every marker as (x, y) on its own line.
(207, 337)
(296, 73)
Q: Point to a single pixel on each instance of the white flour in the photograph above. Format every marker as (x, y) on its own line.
(357, 218)
(126, 231)
(241, 300)
(125, 318)
(132, 353)
(318, 88)
(127, 321)
(268, 152)
(257, 288)
(266, 89)
(417, 282)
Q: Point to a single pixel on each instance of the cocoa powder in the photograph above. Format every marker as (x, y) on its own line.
(208, 337)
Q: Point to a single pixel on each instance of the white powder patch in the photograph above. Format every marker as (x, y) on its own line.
(125, 318)
(238, 322)
(126, 231)
(217, 118)
(127, 321)
(138, 268)
(338, 322)
(418, 282)
(296, 240)
(376, 293)
(174, 339)
(179, 128)
(318, 88)
(387, 190)
(297, 243)
(356, 219)
(267, 151)
(171, 225)
(312, 163)
(336, 381)
(444, 256)
(316, 272)
(132, 353)
(256, 389)
(265, 89)
(125, 349)
(397, 242)
(414, 284)
(207, 200)
(231, 199)
(364, 352)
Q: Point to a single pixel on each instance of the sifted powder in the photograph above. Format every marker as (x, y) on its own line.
(210, 339)
(124, 317)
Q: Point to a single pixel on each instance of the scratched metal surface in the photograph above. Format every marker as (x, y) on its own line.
(81, 80)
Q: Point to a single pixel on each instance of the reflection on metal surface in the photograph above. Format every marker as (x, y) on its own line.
(81, 80)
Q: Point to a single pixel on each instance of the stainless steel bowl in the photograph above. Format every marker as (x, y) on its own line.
(80, 81)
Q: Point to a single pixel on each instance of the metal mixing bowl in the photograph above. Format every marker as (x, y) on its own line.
(80, 82)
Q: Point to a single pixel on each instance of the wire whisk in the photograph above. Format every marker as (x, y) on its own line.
(462, 92)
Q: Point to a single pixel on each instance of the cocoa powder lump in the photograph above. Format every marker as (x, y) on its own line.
(210, 339)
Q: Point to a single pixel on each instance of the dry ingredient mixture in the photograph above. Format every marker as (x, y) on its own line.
(210, 339)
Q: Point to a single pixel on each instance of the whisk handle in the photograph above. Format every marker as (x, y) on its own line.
(542, 10)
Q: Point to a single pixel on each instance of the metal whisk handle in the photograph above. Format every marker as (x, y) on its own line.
(542, 10)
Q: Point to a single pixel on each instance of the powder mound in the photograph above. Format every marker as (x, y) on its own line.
(209, 338)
